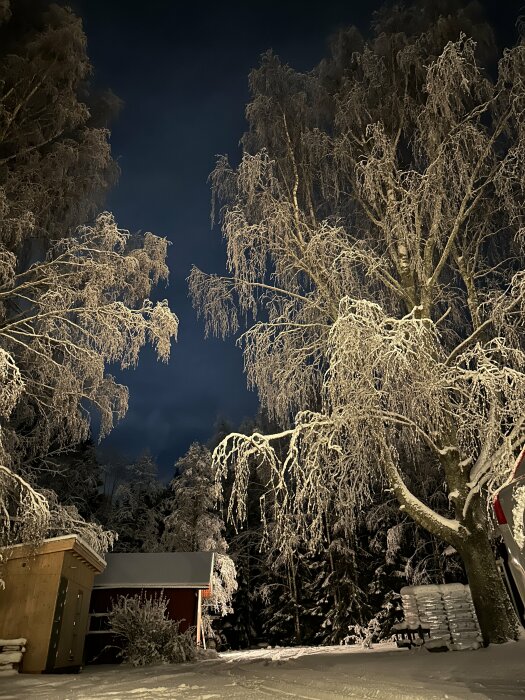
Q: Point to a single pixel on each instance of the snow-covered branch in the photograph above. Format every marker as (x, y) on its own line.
(377, 241)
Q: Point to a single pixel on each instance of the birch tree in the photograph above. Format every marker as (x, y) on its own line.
(74, 287)
(374, 232)
(55, 158)
(84, 306)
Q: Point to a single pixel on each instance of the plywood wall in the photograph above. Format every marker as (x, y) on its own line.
(27, 604)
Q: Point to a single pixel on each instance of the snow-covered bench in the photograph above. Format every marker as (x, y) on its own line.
(410, 634)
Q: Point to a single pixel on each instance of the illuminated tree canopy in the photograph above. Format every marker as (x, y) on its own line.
(374, 230)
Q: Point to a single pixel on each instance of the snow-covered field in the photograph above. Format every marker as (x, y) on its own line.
(312, 673)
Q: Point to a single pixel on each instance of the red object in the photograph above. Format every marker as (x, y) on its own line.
(519, 466)
(500, 515)
(206, 593)
(182, 607)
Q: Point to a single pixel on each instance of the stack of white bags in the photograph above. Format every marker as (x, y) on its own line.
(462, 620)
(11, 653)
(411, 611)
(448, 611)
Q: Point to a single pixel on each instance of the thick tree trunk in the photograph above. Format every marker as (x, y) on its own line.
(497, 619)
(496, 615)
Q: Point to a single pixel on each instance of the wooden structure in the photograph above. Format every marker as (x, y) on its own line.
(183, 578)
(410, 635)
(46, 600)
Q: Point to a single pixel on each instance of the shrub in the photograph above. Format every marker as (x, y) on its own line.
(144, 633)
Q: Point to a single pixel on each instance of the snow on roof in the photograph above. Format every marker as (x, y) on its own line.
(58, 544)
(157, 570)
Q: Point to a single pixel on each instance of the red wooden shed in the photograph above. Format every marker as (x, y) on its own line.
(183, 577)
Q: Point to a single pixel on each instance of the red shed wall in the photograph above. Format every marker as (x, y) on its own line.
(182, 605)
(182, 602)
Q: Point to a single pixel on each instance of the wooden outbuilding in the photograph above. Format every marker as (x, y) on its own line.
(46, 600)
(183, 578)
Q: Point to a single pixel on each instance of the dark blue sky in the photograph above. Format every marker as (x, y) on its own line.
(182, 69)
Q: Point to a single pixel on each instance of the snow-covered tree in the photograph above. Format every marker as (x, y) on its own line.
(75, 476)
(81, 307)
(74, 291)
(55, 156)
(327, 595)
(194, 524)
(376, 220)
(28, 514)
(134, 508)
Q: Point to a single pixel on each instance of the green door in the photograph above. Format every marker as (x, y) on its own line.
(57, 624)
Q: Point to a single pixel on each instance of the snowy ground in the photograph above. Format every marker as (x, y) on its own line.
(312, 673)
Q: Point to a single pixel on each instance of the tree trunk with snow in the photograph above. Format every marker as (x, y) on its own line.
(469, 535)
(496, 616)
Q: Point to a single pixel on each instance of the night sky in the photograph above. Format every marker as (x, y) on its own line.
(181, 70)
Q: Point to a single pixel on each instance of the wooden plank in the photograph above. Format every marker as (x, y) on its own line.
(57, 624)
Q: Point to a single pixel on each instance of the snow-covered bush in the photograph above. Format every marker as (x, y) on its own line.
(144, 633)
(379, 627)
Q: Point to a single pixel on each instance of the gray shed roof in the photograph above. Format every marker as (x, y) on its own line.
(157, 570)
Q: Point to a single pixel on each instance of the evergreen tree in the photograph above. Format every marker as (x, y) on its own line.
(195, 524)
(135, 511)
